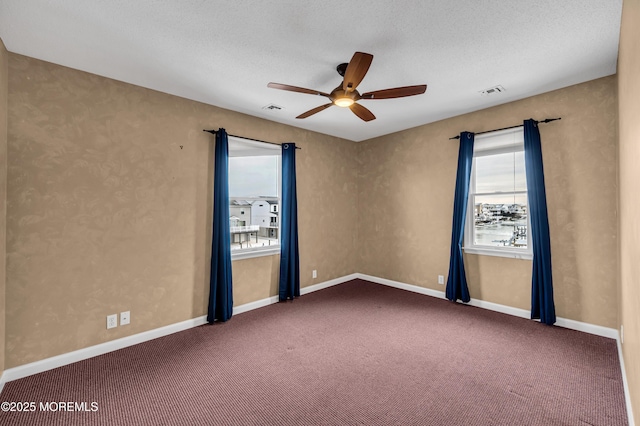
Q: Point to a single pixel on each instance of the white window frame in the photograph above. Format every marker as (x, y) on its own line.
(240, 147)
(469, 246)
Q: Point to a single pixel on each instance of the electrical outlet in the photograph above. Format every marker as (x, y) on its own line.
(112, 321)
(125, 318)
(621, 333)
(441, 279)
(314, 274)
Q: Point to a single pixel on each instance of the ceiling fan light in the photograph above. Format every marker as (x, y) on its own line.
(343, 102)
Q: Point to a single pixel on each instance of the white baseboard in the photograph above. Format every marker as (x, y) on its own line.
(103, 348)
(598, 330)
(403, 286)
(330, 283)
(254, 305)
(304, 290)
(625, 384)
(522, 313)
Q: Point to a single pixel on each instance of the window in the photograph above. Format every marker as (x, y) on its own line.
(497, 214)
(254, 198)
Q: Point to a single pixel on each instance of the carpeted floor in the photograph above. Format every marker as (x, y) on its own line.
(354, 354)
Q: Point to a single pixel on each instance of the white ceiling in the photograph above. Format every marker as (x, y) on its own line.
(224, 53)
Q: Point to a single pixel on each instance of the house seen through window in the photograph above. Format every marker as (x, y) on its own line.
(497, 213)
(254, 195)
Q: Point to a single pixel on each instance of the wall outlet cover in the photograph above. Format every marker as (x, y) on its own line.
(112, 321)
(125, 318)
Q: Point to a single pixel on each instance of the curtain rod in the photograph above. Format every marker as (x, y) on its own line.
(546, 120)
(213, 132)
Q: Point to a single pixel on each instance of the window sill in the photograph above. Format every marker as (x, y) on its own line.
(499, 253)
(248, 254)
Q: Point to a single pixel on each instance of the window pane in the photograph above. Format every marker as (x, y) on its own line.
(500, 220)
(500, 173)
(253, 176)
(254, 204)
(254, 223)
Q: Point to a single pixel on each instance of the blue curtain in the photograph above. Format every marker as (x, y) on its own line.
(289, 285)
(542, 305)
(457, 279)
(221, 283)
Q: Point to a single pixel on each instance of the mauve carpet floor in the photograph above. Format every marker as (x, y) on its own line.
(355, 354)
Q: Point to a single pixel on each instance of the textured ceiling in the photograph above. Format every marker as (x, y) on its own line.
(225, 52)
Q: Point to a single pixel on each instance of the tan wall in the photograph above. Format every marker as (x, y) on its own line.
(629, 154)
(4, 75)
(106, 213)
(406, 186)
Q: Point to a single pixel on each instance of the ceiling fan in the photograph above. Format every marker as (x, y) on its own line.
(346, 95)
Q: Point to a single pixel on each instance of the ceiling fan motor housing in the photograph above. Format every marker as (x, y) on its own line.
(342, 68)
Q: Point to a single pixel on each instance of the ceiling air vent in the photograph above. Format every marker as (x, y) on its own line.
(492, 91)
(272, 107)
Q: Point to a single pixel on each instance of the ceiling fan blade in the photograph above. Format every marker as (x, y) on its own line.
(296, 89)
(356, 70)
(362, 112)
(314, 111)
(398, 92)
